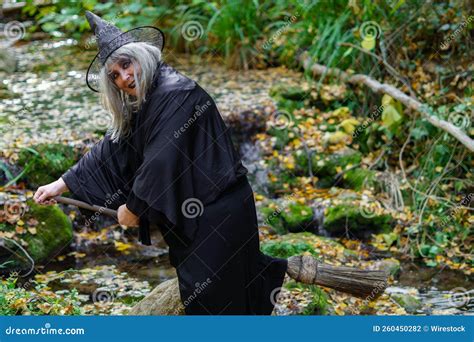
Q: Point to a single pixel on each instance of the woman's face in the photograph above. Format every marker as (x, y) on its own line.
(121, 73)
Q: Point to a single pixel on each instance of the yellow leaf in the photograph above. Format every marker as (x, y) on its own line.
(121, 247)
(20, 223)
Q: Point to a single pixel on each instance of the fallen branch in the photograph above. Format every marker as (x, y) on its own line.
(376, 86)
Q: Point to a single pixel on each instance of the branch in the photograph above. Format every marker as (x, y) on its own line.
(376, 86)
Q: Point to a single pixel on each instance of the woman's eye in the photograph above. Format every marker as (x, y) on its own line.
(126, 65)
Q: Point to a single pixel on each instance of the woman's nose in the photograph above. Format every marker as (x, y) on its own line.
(124, 76)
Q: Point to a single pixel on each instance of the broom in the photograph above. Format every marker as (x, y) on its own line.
(368, 284)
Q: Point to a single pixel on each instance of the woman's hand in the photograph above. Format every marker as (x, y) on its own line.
(126, 217)
(44, 194)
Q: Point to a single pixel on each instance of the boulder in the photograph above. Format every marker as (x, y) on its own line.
(359, 220)
(50, 233)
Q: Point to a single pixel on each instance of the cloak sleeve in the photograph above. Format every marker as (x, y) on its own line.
(188, 159)
(101, 176)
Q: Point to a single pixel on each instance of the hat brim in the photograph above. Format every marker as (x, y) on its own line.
(146, 34)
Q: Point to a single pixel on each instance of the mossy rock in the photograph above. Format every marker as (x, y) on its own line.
(298, 218)
(390, 265)
(45, 163)
(319, 302)
(410, 303)
(272, 218)
(291, 244)
(346, 215)
(53, 233)
(282, 91)
(359, 178)
(285, 249)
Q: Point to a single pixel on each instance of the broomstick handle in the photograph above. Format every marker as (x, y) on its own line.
(84, 205)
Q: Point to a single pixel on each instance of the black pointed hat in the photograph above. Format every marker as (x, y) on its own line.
(110, 38)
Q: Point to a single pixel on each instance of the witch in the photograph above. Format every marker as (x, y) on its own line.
(168, 160)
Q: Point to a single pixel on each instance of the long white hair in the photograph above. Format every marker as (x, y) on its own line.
(144, 58)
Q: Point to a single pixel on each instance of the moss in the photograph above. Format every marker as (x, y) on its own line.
(272, 218)
(326, 167)
(297, 217)
(359, 179)
(53, 233)
(282, 91)
(410, 303)
(344, 215)
(319, 301)
(45, 163)
(285, 249)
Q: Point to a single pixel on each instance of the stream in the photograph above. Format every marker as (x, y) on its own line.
(52, 103)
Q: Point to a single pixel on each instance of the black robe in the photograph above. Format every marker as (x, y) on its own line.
(178, 160)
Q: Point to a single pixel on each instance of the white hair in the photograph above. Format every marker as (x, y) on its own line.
(119, 104)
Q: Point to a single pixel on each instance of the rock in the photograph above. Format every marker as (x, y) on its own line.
(291, 244)
(356, 219)
(390, 265)
(410, 303)
(285, 249)
(46, 162)
(294, 93)
(326, 167)
(163, 300)
(8, 61)
(359, 179)
(272, 218)
(298, 218)
(52, 233)
(286, 217)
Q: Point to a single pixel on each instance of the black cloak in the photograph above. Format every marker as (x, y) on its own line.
(177, 158)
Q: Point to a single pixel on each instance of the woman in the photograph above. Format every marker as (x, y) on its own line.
(168, 159)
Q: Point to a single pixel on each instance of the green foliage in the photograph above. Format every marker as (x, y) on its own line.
(35, 299)
(45, 163)
(285, 249)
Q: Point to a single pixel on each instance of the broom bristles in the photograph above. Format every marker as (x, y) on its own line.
(368, 284)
